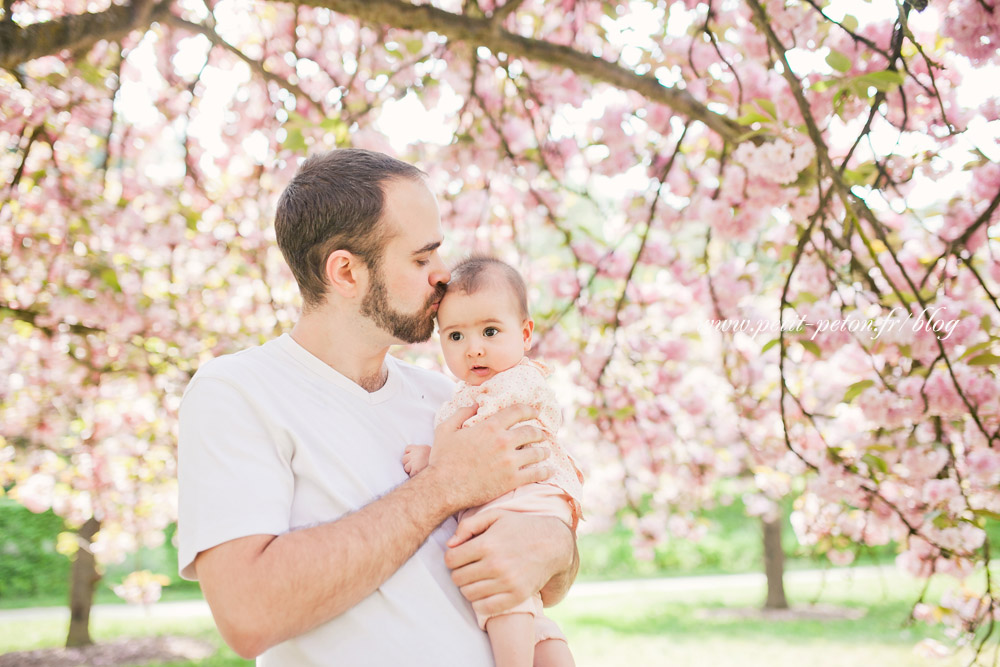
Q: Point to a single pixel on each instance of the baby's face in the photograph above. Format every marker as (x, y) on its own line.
(483, 333)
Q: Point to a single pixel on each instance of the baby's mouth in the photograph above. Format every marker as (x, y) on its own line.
(480, 370)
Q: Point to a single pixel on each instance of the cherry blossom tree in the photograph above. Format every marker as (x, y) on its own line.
(761, 237)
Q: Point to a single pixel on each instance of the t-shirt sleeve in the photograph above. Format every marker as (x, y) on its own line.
(232, 479)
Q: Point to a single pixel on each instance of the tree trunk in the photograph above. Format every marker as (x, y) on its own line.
(83, 580)
(774, 565)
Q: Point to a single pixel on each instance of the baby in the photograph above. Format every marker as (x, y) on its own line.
(485, 331)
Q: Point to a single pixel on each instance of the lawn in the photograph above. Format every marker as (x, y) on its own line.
(721, 626)
(712, 622)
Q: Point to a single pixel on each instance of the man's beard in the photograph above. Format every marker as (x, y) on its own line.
(409, 328)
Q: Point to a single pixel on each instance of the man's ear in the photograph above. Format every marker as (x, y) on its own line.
(526, 329)
(345, 272)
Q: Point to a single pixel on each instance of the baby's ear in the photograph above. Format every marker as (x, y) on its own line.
(526, 329)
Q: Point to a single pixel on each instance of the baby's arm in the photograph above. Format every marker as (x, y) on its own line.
(415, 458)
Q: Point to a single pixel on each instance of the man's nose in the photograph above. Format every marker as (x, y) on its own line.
(440, 275)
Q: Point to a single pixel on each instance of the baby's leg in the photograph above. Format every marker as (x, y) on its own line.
(512, 637)
(553, 653)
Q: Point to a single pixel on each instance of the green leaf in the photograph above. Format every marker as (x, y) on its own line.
(875, 462)
(838, 61)
(976, 348)
(855, 389)
(331, 123)
(110, 278)
(864, 174)
(884, 80)
(294, 141)
(987, 514)
(769, 344)
(849, 22)
(767, 106)
(753, 117)
(812, 347)
(988, 359)
(414, 46)
(823, 85)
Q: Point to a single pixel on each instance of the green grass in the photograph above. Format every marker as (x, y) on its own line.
(689, 628)
(649, 627)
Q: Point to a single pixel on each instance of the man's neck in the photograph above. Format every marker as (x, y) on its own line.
(348, 347)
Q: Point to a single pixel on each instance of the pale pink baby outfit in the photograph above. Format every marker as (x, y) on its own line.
(557, 496)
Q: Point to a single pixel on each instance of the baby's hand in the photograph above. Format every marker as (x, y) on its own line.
(415, 458)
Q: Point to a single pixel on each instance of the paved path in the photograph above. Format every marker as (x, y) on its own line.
(583, 589)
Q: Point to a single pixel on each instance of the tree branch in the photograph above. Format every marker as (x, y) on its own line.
(483, 32)
(500, 14)
(19, 44)
(254, 65)
(31, 317)
(76, 32)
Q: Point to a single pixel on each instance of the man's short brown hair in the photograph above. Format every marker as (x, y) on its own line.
(334, 202)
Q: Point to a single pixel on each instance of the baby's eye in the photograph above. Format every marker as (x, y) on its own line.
(489, 332)
(455, 336)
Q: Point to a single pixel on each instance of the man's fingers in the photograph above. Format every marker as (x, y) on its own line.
(462, 415)
(472, 525)
(516, 413)
(534, 475)
(465, 531)
(478, 590)
(494, 604)
(526, 435)
(469, 573)
(526, 456)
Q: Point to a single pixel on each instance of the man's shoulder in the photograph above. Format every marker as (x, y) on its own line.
(238, 367)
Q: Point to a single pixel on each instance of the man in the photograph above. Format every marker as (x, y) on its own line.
(311, 545)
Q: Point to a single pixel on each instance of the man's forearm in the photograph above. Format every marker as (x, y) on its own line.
(266, 589)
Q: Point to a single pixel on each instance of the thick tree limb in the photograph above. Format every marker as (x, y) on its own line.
(76, 32)
(31, 317)
(484, 32)
(19, 44)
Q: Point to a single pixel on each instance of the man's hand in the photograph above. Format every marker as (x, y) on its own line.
(498, 559)
(415, 458)
(488, 459)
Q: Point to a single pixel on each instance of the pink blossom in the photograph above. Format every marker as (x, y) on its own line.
(984, 466)
(36, 493)
(840, 558)
(927, 647)
(974, 30)
(778, 161)
(942, 491)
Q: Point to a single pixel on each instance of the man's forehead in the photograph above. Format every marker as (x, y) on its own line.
(411, 216)
(415, 239)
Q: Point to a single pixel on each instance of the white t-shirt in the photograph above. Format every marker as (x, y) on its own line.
(273, 439)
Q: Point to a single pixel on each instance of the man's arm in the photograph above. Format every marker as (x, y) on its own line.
(264, 589)
(500, 558)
